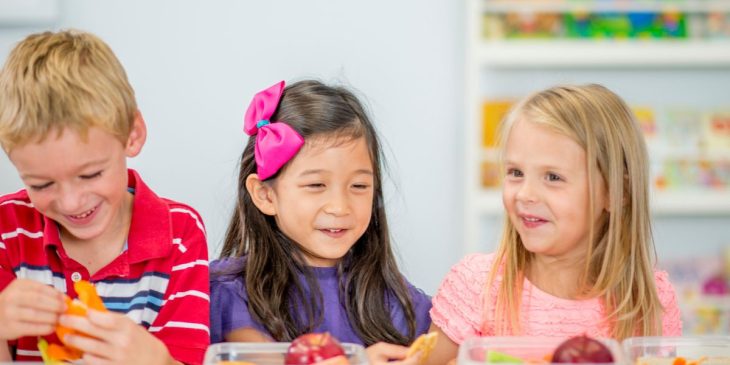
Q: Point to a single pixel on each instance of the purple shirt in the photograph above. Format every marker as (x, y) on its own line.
(229, 304)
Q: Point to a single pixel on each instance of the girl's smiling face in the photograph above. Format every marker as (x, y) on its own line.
(323, 198)
(546, 193)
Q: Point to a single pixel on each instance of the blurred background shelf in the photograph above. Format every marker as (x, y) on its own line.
(603, 53)
(505, 6)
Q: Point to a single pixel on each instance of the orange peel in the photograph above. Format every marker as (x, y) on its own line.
(87, 299)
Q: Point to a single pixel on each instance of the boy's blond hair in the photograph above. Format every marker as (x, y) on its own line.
(619, 265)
(68, 79)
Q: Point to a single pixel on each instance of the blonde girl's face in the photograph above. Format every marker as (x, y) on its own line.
(546, 193)
(323, 199)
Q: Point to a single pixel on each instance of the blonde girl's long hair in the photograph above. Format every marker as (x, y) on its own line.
(619, 265)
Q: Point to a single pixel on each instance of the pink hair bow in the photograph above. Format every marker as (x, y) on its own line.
(276, 143)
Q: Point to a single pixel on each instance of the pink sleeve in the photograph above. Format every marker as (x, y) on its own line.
(457, 306)
(671, 319)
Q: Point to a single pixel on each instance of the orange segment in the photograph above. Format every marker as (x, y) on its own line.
(87, 298)
(62, 353)
(87, 294)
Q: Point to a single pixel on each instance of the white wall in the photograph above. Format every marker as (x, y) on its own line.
(195, 65)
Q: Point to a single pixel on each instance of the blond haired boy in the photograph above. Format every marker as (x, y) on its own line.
(68, 122)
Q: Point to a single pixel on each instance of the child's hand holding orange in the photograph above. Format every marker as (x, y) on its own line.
(91, 332)
(87, 299)
(28, 308)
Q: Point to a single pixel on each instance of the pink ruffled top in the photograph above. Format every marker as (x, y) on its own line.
(459, 306)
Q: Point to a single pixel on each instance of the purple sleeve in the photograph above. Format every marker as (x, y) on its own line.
(421, 307)
(229, 306)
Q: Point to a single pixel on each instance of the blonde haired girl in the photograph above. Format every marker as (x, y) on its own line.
(576, 254)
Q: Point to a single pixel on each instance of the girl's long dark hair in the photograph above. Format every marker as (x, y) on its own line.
(368, 273)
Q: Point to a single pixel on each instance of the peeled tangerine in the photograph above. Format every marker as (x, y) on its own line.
(315, 348)
(582, 349)
(87, 298)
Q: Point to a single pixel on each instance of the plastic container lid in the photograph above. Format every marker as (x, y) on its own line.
(707, 350)
(532, 350)
(268, 353)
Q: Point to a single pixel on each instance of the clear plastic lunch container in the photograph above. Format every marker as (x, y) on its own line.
(529, 350)
(268, 353)
(695, 350)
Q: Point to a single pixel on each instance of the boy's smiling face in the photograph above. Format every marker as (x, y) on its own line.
(80, 183)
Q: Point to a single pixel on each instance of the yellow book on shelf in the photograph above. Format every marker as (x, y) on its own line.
(716, 131)
(493, 112)
(647, 122)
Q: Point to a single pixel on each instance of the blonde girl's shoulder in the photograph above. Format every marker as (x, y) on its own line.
(664, 286)
(472, 270)
(477, 262)
(458, 306)
(671, 315)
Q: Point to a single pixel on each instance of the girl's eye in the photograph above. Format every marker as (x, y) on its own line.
(315, 186)
(553, 177)
(514, 173)
(40, 187)
(360, 186)
(91, 176)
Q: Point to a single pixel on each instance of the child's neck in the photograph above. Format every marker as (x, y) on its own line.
(556, 276)
(96, 253)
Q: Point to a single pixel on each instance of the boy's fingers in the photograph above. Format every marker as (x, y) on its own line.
(91, 359)
(34, 329)
(81, 324)
(103, 319)
(89, 345)
(32, 315)
(105, 326)
(42, 302)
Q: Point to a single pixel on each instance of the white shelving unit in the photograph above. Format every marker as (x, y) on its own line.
(591, 54)
(567, 56)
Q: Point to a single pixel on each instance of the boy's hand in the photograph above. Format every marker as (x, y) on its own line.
(117, 340)
(29, 308)
(383, 353)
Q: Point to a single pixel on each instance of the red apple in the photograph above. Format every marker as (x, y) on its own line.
(312, 348)
(582, 349)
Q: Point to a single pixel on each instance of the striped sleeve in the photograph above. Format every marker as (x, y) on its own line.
(6, 271)
(183, 320)
(9, 227)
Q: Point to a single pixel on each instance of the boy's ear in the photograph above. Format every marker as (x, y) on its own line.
(262, 194)
(137, 136)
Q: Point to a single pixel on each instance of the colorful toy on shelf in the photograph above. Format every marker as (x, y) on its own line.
(716, 131)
